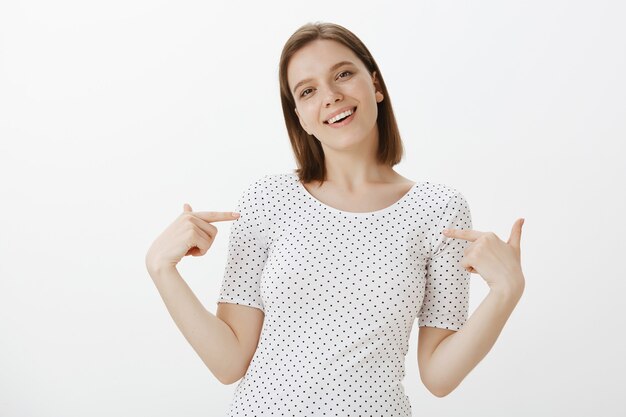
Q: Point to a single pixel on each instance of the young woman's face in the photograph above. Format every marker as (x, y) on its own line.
(326, 77)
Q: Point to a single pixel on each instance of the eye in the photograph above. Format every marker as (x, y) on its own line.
(303, 93)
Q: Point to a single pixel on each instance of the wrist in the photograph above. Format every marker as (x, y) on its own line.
(509, 293)
(157, 271)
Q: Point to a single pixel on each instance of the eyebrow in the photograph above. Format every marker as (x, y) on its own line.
(334, 67)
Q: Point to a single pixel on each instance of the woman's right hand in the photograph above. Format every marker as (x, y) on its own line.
(190, 234)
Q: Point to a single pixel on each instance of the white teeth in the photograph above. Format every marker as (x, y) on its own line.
(339, 116)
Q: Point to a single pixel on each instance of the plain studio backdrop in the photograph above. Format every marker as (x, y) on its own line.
(114, 114)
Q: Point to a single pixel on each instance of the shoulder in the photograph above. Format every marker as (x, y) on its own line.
(269, 182)
(268, 186)
(271, 179)
(440, 194)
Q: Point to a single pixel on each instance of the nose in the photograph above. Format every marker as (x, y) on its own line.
(332, 97)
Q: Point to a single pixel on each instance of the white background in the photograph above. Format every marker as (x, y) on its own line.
(114, 114)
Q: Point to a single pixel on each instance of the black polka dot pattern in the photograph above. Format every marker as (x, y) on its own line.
(340, 292)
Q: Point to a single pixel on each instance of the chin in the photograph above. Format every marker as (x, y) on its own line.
(344, 142)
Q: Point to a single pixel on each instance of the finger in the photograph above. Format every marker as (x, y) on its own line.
(465, 264)
(216, 216)
(468, 234)
(516, 234)
(186, 208)
(203, 242)
(206, 227)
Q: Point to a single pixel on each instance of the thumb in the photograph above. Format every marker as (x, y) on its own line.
(187, 208)
(516, 234)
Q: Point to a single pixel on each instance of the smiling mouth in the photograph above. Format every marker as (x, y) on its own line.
(341, 120)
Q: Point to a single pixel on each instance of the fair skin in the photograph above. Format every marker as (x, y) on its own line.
(227, 341)
(446, 362)
(350, 151)
(445, 357)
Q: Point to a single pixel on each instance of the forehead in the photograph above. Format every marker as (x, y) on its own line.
(316, 58)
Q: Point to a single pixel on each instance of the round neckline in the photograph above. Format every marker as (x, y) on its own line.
(353, 213)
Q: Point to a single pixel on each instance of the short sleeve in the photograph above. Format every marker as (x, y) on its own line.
(247, 251)
(446, 298)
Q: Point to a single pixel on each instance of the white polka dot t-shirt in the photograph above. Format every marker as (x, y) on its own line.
(340, 292)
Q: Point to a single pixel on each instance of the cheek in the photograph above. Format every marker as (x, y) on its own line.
(307, 114)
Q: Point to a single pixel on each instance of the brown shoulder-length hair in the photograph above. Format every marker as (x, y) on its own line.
(307, 149)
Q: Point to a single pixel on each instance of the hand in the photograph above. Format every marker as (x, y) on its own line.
(190, 234)
(498, 263)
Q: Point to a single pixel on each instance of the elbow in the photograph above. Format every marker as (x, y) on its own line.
(437, 390)
(439, 393)
(228, 374)
(442, 391)
(229, 379)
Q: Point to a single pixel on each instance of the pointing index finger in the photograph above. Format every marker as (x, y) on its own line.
(468, 234)
(216, 216)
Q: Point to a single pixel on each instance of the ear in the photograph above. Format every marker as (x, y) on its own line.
(301, 121)
(379, 90)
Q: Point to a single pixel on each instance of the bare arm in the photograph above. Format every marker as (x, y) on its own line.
(212, 339)
(458, 353)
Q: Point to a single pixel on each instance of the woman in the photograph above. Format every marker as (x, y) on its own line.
(329, 266)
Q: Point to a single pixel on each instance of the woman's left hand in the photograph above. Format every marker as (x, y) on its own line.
(499, 263)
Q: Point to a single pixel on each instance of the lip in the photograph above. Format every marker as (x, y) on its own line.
(344, 122)
(330, 116)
